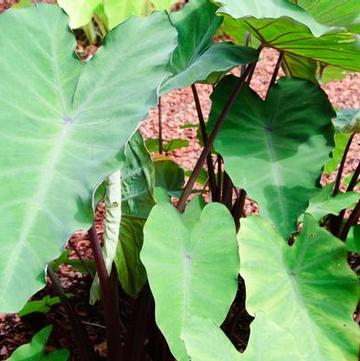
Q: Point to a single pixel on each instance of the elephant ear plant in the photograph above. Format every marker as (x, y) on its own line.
(186, 267)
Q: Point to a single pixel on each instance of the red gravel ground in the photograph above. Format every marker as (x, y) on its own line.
(178, 109)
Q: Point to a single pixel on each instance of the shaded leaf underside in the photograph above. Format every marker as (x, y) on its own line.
(287, 27)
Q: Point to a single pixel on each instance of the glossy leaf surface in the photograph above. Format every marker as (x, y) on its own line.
(275, 149)
(344, 13)
(65, 134)
(197, 57)
(198, 251)
(288, 28)
(311, 292)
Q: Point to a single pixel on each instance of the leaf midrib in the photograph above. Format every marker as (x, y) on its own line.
(276, 172)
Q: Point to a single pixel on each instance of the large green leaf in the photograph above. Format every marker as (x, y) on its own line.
(274, 9)
(287, 27)
(66, 131)
(325, 203)
(196, 57)
(344, 13)
(34, 351)
(275, 149)
(307, 290)
(205, 342)
(191, 264)
(138, 180)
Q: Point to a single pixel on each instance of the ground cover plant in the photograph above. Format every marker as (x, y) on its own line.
(177, 251)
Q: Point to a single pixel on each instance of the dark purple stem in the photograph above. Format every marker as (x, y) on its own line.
(210, 165)
(161, 148)
(110, 298)
(85, 348)
(208, 145)
(353, 219)
(354, 179)
(275, 73)
(342, 165)
(238, 208)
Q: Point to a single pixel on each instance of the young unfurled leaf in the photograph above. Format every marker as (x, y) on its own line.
(111, 228)
(310, 293)
(288, 28)
(138, 181)
(67, 130)
(325, 203)
(274, 149)
(197, 57)
(35, 350)
(198, 252)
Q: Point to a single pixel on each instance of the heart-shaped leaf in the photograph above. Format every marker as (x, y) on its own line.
(66, 131)
(288, 28)
(198, 251)
(275, 149)
(197, 57)
(308, 290)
